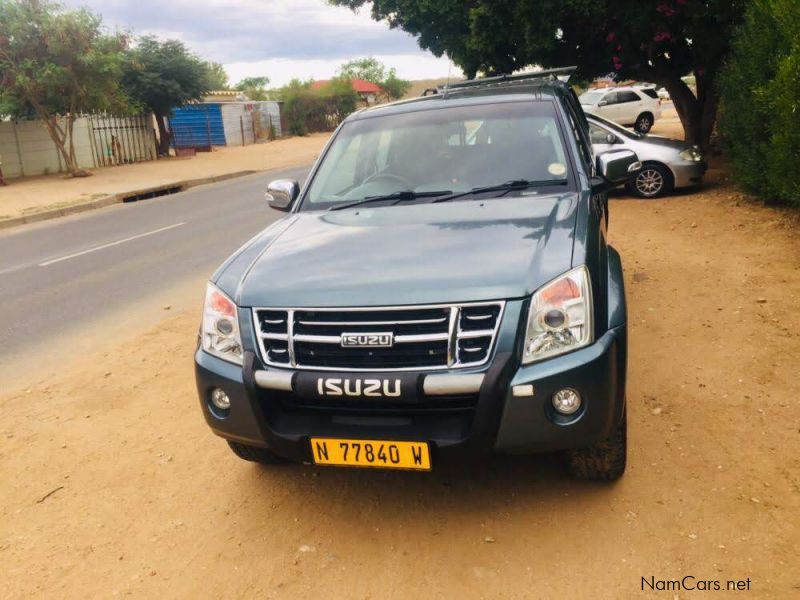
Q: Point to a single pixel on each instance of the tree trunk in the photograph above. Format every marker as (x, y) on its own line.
(163, 136)
(698, 113)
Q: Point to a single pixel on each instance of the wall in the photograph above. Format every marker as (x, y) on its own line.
(26, 148)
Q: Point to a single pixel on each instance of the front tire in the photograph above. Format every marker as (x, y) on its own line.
(644, 123)
(604, 461)
(255, 454)
(653, 181)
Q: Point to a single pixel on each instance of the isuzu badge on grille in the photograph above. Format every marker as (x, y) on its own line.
(367, 340)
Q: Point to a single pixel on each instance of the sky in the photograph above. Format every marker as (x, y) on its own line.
(281, 39)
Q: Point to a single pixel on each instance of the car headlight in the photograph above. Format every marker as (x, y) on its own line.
(560, 317)
(220, 329)
(692, 154)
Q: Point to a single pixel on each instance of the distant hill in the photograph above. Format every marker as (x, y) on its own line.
(420, 85)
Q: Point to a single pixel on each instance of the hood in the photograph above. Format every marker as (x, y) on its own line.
(664, 142)
(416, 254)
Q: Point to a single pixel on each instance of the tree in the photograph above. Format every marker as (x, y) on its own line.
(651, 40)
(760, 107)
(57, 64)
(254, 88)
(160, 76)
(371, 69)
(217, 77)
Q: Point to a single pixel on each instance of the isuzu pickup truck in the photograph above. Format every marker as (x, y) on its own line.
(440, 289)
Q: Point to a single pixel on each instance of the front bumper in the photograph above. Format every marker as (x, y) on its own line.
(688, 174)
(500, 416)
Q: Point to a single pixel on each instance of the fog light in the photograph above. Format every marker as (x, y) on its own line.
(567, 401)
(220, 399)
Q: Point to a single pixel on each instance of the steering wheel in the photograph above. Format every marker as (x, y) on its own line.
(389, 177)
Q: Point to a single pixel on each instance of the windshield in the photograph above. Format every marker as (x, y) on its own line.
(445, 150)
(616, 128)
(592, 97)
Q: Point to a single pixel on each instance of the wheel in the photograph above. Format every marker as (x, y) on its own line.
(653, 180)
(255, 454)
(644, 123)
(604, 461)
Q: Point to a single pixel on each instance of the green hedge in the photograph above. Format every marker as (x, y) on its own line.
(308, 111)
(760, 102)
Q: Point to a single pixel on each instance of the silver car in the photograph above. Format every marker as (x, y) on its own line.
(667, 164)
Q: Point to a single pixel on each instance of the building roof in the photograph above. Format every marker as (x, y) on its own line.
(359, 85)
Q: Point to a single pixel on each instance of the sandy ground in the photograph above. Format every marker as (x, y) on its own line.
(32, 194)
(112, 485)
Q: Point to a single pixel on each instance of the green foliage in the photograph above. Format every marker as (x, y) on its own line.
(760, 112)
(160, 75)
(650, 40)
(56, 63)
(216, 76)
(307, 110)
(371, 69)
(254, 88)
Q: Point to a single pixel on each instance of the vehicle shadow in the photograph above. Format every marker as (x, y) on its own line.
(501, 484)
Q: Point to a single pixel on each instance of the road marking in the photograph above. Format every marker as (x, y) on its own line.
(103, 246)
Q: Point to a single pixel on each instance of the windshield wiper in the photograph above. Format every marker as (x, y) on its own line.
(508, 186)
(398, 197)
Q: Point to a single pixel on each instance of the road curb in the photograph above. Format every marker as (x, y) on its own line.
(129, 196)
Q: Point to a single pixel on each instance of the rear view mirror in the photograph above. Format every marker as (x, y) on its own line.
(615, 168)
(282, 193)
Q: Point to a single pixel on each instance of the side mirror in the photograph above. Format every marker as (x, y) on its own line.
(615, 168)
(611, 138)
(602, 103)
(282, 193)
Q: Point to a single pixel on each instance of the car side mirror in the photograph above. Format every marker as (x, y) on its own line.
(615, 168)
(602, 103)
(611, 138)
(282, 193)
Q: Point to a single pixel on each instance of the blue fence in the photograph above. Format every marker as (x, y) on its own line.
(197, 126)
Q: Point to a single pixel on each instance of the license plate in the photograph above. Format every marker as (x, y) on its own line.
(371, 453)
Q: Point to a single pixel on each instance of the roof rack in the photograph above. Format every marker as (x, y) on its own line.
(561, 74)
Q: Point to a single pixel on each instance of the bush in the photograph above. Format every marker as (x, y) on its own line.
(308, 111)
(760, 102)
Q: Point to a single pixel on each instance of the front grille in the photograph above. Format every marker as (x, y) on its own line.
(423, 337)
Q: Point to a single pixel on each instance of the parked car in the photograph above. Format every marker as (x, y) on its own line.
(666, 164)
(636, 107)
(431, 296)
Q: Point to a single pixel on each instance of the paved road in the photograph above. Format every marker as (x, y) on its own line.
(62, 273)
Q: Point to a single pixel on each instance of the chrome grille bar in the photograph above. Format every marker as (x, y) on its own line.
(432, 337)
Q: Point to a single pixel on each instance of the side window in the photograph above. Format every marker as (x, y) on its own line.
(650, 92)
(598, 135)
(611, 98)
(627, 97)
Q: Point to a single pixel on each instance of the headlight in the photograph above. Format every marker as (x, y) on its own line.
(220, 329)
(692, 154)
(560, 318)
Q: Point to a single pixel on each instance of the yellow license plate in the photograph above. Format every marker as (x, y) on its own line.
(371, 453)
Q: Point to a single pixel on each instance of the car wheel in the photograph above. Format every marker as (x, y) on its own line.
(653, 180)
(604, 461)
(255, 454)
(644, 123)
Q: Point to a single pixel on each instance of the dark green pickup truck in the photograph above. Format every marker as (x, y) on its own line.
(441, 289)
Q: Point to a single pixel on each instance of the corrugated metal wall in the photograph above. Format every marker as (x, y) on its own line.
(224, 123)
(197, 126)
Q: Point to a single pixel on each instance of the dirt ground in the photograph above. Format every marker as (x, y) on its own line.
(112, 484)
(33, 194)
